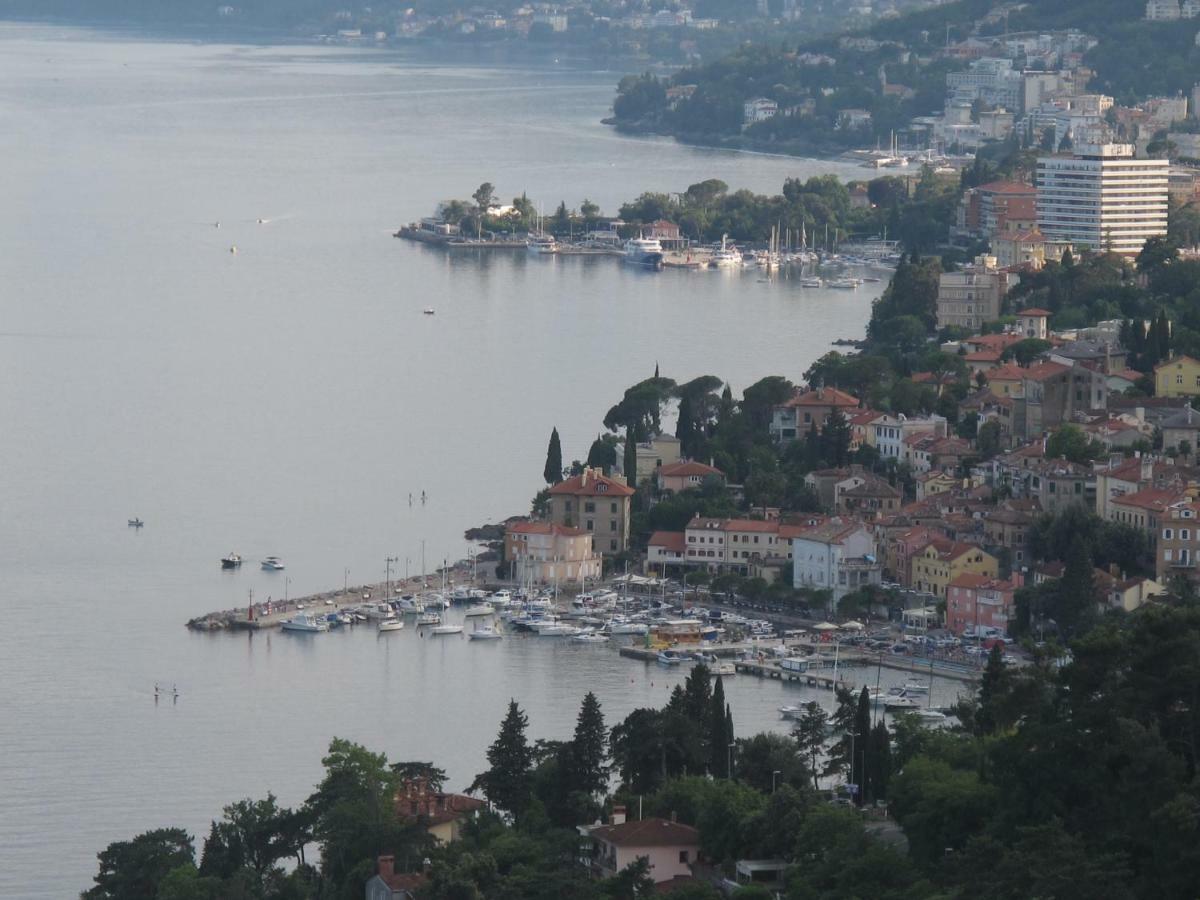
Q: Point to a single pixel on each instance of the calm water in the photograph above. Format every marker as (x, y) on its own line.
(287, 399)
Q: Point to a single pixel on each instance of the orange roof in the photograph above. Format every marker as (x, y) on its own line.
(591, 484)
(993, 341)
(969, 580)
(668, 540)
(949, 550)
(688, 467)
(1006, 187)
(1006, 372)
(1153, 499)
(986, 355)
(544, 528)
(823, 397)
(1045, 370)
(1034, 312)
(865, 417)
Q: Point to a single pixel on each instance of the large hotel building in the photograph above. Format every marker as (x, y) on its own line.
(1102, 198)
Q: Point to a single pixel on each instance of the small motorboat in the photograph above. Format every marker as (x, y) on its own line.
(486, 633)
(588, 636)
(306, 623)
(671, 657)
(791, 712)
(724, 669)
(272, 564)
(136, 523)
(232, 561)
(446, 629)
(429, 310)
(391, 625)
(900, 702)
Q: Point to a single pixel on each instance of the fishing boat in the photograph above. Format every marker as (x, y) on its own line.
(136, 523)
(485, 633)
(272, 564)
(304, 622)
(391, 625)
(479, 609)
(446, 629)
(232, 561)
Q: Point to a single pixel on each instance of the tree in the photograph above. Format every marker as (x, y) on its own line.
(987, 442)
(631, 882)
(720, 738)
(629, 461)
(1076, 590)
(836, 439)
(993, 685)
(589, 748)
(484, 197)
(590, 212)
(810, 735)
(506, 782)
(860, 742)
(553, 473)
(251, 835)
(879, 761)
(1071, 443)
(132, 870)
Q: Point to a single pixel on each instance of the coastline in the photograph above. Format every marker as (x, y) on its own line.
(739, 143)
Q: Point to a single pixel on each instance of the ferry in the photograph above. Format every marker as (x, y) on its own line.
(645, 252)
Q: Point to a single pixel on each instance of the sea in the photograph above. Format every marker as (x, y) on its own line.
(290, 398)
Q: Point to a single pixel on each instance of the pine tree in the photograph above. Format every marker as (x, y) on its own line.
(993, 686)
(554, 464)
(506, 783)
(810, 736)
(836, 439)
(1163, 335)
(720, 738)
(697, 696)
(589, 748)
(656, 370)
(1076, 588)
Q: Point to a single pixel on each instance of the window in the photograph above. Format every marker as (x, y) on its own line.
(1185, 534)
(591, 526)
(612, 525)
(589, 507)
(1168, 534)
(1179, 379)
(612, 508)
(683, 856)
(612, 545)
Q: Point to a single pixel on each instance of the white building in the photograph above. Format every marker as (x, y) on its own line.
(973, 295)
(1102, 198)
(891, 431)
(836, 555)
(1162, 10)
(759, 110)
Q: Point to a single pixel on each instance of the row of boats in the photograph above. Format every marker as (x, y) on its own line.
(900, 699)
(235, 560)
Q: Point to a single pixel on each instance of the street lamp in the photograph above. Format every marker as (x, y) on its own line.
(774, 775)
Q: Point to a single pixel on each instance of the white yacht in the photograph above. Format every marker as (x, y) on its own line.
(728, 257)
(272, 564)
(589, 637)
(428, 618)
(900, 702)
(486, 633)
(391, 625)
(411, 605)
(646, 252)
(556, 629)
(305, 622)
(446, 629)
(480, 609)
(540, 242)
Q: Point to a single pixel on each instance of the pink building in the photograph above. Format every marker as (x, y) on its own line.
(975, 601)
(669, 847)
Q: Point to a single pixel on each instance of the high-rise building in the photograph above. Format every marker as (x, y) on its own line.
(1102, 198)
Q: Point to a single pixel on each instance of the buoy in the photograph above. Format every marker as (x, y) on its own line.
(233, 249)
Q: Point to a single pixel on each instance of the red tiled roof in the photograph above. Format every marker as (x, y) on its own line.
(592, 484)
(865, 417)
(1006, 372)
(668, 540)
(1033, 312)
(993, 341)
(1007, 187)
(949, 550)
(688, 467)
(969, 580)
(1153, 499)
(1044, 370)
(990, 355)
(648, 833)
(1031, 236)
(544, 528)
(823, 397)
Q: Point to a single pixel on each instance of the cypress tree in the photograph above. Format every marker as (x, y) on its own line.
(631, 441)
(554, 464)
(881, 761)
(506, 783)
(720, 738)
(589, 748)
(862, 735)
(685, 428)
(1163, 335)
